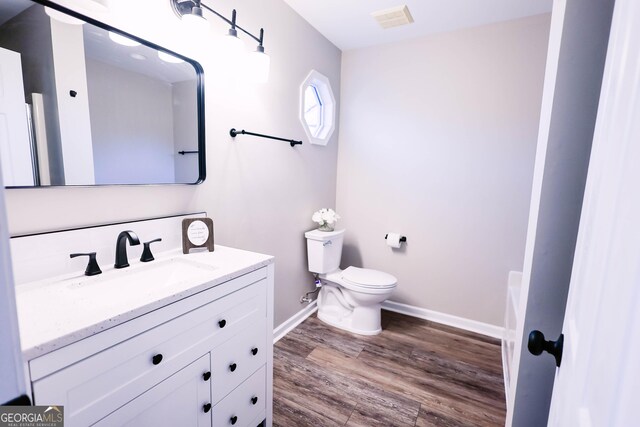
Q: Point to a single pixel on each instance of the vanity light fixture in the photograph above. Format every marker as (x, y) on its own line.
(194, 19)
(258, 61)
(233, 46)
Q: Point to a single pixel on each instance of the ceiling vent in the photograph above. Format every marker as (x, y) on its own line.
(393, 17)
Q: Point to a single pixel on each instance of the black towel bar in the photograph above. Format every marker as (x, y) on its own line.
(233, 132)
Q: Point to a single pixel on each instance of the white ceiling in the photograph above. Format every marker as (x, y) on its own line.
(98, 46)
(348, 23)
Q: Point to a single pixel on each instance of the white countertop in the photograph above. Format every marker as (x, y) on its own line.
(56, 312)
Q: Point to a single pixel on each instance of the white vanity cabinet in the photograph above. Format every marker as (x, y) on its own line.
(183, 399)
(202, 360)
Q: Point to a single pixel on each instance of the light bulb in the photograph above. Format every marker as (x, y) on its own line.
(98, 6)
(124, 41)
(232, 46)
(195, 22)
(166, 57)
(258, 63)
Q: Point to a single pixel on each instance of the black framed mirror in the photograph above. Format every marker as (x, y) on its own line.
(83, 103)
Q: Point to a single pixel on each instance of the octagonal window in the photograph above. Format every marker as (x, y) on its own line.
(313, 110)
(317, 108)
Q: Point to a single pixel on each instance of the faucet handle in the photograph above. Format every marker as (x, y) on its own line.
(146, 252)
(92, 267)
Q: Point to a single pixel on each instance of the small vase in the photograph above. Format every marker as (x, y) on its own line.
(327, 227)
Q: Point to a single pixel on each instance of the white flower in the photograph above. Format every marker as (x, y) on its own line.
(325, 216)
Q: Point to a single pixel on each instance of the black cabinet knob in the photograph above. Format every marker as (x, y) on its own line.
(156, 359)
(537, 344)
(207, 407)
(222, 323)
(254, 400)
(254, 350)
(206, 376)
(233, 420)
(233, 367)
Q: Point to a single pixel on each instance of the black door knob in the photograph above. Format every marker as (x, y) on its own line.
(233, 420)
(206, 376)
(222, 323)
(207, 407)
(233, 367)
(156, 359)
(254, 400)
(254, 350)
(537, 344)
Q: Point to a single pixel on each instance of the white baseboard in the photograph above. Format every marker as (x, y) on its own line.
(288, 325)
(446, 319)
(505, 370)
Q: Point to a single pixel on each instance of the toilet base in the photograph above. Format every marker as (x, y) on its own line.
(334, 310)
(344, 325)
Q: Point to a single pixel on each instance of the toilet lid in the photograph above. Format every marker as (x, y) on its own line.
(368, 278)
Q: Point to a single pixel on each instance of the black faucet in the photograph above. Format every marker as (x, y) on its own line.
(92, 267)
(121, 247)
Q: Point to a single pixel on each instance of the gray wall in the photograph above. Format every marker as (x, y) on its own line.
(260, 193)
(438, 142)
(131, 126)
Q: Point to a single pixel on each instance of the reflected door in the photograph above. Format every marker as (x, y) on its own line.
(15, 141)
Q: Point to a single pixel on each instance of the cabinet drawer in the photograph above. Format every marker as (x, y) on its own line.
(180, 400)
(245, 405)
(97, 385)
(234, 361)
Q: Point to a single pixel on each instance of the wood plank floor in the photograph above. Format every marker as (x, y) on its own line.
(415, 373)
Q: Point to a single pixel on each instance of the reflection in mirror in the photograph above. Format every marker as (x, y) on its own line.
(82, 105)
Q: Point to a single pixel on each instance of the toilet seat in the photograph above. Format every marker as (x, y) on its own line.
(365, 278)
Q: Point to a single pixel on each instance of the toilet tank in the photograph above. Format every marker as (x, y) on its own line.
(324, 250)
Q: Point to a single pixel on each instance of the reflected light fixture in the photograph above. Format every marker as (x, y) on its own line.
(166, 57)
(233, 46)
(124, 41)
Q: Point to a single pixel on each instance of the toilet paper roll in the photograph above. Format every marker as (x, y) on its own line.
(393, 240)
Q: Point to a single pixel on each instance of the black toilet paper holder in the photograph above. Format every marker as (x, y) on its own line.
(403, 239)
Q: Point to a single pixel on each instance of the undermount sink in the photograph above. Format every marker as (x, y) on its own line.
(156, 275)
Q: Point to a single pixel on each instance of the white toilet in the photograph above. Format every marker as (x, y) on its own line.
(349, 299)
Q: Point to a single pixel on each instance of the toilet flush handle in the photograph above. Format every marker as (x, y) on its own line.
(327, 243)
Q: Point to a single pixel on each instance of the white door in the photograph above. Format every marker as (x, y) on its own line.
(573, 77)
(12, 381)
(15, 143)
(598, 382)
